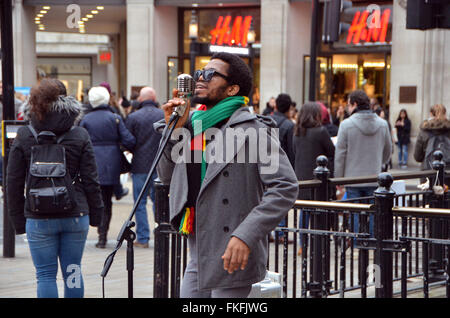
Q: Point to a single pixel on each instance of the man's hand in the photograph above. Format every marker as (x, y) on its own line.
(169, 107)
(236, 255)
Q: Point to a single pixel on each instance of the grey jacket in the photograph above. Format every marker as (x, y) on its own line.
(363, 146)
(235, 199)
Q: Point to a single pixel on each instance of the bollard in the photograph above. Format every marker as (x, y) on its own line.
(384, 201)
(436, 263)
(162, 242)
(320, 262)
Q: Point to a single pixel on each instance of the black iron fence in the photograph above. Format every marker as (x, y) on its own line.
(372, 244)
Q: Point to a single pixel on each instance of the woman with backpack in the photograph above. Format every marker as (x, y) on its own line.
(403, 126)
(54, 161)
(434, 134)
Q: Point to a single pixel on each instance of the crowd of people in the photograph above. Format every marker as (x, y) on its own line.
(225, 210)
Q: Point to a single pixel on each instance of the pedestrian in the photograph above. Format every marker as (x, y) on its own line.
(437, 127)
(403, 126)
(285, 126)
(62, 236)
(380, 112)
(270, 107)
(326, 120)
(363, 146)
(226, 209)
(108, 132)
(140, 124)
(341, 115)
(311, 139)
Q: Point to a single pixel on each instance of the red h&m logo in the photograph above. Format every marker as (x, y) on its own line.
(221, 35)
(368, 27)
(105, 57)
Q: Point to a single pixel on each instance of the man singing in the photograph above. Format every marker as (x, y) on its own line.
(226, 207)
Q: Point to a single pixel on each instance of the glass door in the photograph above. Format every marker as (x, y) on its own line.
(323, 79)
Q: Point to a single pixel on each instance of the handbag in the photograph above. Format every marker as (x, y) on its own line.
(125, 165)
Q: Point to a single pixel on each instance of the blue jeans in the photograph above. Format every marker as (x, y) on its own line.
(53, 239)
(358, 192)
(402, 154)
(306, 216)
(142, 226)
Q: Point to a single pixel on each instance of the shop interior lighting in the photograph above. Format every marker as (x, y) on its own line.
(85, 19)
(40, 15)
(90, 16)
(43, 11)
(46, 7)
(374, 64)
(94, 11)
(193, 26)
(100, 7)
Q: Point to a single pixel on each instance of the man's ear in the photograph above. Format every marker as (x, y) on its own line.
(233, 90)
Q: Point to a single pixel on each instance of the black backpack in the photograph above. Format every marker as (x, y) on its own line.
(49, 187)
(437, 142)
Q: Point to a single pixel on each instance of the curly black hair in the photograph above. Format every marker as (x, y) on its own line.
(360, 98)
(238, 72)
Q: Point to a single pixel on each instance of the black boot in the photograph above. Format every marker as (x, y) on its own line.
(101, 241)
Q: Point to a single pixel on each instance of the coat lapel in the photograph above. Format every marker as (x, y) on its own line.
(214, 168)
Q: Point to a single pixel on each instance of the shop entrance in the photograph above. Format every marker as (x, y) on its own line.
(340, 74)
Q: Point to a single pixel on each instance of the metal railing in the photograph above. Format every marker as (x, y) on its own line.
(395, 236)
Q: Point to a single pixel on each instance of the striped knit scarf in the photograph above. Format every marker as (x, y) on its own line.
(201, 121)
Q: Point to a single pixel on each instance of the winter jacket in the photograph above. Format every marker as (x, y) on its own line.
(79, 160)
(404, 132)
(286, 132)
(307, 148)
(107, 131)
(235, 199)
(363, 146)
(427, 129)
(140, 124)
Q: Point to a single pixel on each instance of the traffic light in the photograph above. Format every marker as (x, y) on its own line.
(428, 14)
(332, 25)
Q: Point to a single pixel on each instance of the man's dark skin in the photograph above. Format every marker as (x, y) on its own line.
(210, 93)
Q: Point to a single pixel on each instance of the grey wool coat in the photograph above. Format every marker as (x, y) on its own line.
(236, 199)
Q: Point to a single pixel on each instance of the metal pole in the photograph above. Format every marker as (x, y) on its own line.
(384, 201)
(193, 54)
(313, 50)
(8, 112)
(161, 251)
(319, 267)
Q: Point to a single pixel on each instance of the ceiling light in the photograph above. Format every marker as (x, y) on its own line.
(37, 22)
(85, 19)
(37, 18)
(40, 15)
(94, 11)
(90, 16)
(46, 7)
(81, 22)
(100, 7)
(43, 11)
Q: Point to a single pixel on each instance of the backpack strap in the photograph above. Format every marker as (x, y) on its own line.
(58, 141)
(33, 131)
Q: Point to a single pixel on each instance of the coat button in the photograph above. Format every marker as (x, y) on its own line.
(225, 201)
(225, 174)
(226, 229)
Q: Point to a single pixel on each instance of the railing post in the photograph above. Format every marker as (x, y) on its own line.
(436, 264)
(320, 256)
(161, 249)
(384, 201)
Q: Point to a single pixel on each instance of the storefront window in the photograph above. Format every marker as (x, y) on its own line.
(75, 73)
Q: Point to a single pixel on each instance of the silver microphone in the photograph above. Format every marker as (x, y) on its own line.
(186, 87)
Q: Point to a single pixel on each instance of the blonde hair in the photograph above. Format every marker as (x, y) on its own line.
(438, 111)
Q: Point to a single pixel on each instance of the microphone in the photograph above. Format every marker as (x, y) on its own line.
(186, 87)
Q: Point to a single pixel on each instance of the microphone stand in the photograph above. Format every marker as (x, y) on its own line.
(126, 233)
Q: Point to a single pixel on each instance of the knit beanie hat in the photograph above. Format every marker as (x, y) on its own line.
(98, 96)
(107, 86)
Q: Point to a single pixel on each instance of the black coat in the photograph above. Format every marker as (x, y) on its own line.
(404, 132)
(79, 159)
(140, 124)
(307, 148)
(286, 131)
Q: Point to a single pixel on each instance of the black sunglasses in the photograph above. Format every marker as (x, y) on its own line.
(207, 74)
